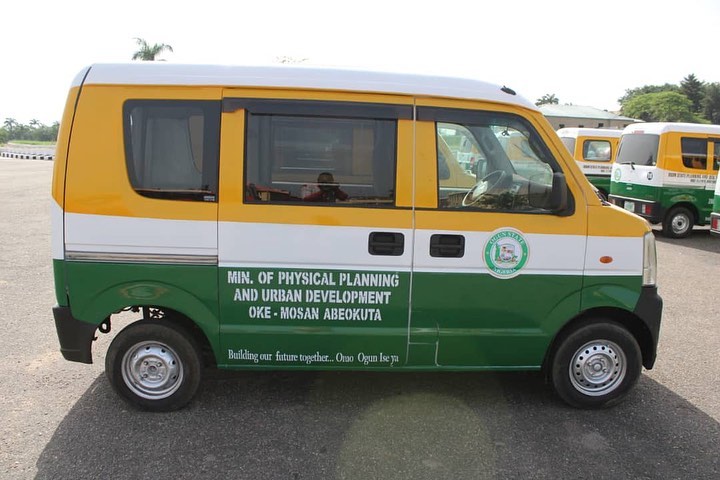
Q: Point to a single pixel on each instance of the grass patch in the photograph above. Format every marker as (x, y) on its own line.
(32, 142)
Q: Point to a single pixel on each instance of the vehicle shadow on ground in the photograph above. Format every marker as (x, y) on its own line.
(698, 239)
(359, 425)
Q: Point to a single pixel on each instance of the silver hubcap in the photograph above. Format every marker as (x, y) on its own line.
(598, 368)
(152, 370)
(680, 224)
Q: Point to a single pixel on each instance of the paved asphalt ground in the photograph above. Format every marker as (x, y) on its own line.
(60, 420)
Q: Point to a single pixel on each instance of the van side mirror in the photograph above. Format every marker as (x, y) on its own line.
(480, 169)
(558, 195)
(549, 197)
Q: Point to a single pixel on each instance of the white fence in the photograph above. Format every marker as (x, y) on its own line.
(29, 152)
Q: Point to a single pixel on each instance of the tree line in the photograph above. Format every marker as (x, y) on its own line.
(33, 131)
(691, 101)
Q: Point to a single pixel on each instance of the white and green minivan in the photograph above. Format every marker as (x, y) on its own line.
(715, 215)
(594, 150)
(299, 218)
(666, 173)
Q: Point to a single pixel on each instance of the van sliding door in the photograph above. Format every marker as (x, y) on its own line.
(315, 232)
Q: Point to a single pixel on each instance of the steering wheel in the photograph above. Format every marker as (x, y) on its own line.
(489, 183)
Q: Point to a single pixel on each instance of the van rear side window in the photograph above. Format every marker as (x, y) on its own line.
(318, 159)
(597, 150)
(172, 148)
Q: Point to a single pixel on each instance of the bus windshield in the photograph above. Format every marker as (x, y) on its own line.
(638, 149)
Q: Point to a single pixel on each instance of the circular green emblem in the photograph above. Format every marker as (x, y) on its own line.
(617, 174)
(506, 253)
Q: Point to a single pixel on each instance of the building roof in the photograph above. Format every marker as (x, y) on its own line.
(296, 76)
(579, 111)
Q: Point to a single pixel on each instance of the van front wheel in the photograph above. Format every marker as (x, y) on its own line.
(154, 366)
(678, 223)
(596, 365)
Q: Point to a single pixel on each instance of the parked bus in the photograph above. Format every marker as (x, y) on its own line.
(316, 219)
(594, 150)
(666, 173)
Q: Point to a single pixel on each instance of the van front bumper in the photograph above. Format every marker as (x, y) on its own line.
(652, 211)
(649, 310)
(75, 337)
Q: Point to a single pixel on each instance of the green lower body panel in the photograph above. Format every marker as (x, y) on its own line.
(342, 319)
(654, 202)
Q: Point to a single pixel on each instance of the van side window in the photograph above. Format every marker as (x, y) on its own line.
(319, 159)
(172, 148)
(596, 150)
(694, 153)
(490, 161)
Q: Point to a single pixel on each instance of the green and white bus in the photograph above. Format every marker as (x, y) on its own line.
(666, 173)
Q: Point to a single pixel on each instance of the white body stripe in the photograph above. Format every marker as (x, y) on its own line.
(56, 222)
(625, 252)
(267, 245)
(652, 176)
(305, 246)
(542, 257)
(111, 234)
(602, 169)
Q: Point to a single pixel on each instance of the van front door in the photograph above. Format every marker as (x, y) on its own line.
(496, 270)
(315, 232)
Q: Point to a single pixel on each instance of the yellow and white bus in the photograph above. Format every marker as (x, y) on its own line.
(666, 172)
(301, 218)
(594, 150)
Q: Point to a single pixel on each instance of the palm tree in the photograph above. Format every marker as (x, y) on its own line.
(147, 52)
(547, 99)
(10, 125)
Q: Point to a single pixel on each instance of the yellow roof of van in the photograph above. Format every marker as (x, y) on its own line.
(294, 76)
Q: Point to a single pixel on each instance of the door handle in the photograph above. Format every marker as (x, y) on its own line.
(452, 246)
(386, 243)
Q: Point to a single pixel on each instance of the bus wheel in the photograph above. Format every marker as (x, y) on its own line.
(678, 223)
(596, 365)
(154, 366)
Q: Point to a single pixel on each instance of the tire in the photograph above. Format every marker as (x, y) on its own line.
(678, 223)
(154, 366)
(580, 365)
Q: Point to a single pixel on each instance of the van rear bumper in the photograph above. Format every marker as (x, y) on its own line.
(649, 309)
(715, 223)
(652, 211)
(75, 337)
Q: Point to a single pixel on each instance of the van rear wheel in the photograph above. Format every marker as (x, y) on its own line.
(678, 223)
(596, 365)
(154, 366)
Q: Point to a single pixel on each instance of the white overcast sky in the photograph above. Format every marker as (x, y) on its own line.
(584, 52)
